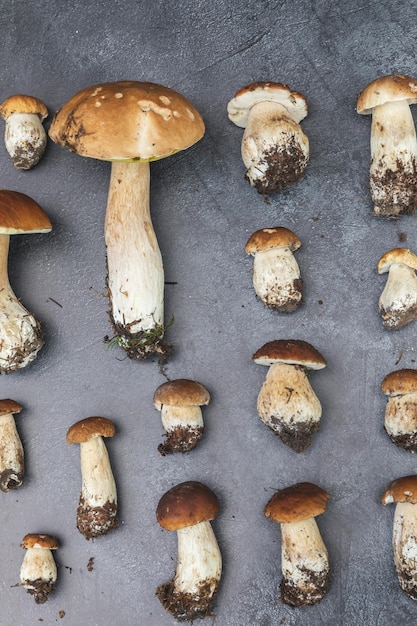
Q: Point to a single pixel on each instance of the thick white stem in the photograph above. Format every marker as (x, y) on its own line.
(276, 278)
(11, 454)
(398, 301)
(174, 417)
(404, 543)
(38, 563)
(25, 139)
(401, 415)
(199, 560)
(98, 484)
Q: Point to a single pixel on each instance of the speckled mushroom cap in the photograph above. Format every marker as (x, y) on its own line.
(20, 214)
(239, 106)
(185, 505)
(181, 392)
(400, 382)
(268, 238)
(21, 103)
(297, 503)
(402, 489)
(9, 406)
(127, 120)
(90, 427)
(291, 351)
(391, 88)
(35, 540)
(397, 255)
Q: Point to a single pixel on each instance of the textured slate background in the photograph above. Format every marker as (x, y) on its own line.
(204, 211)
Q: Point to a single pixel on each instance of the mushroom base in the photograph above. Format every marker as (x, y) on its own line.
(188, 606)
(394, 192)
(394, 319)
(93, 521)
(141, 345)
(297, 436)
(315, 588)
(407, 442)
(284, 299)
(278, 168)
(19, 354)
(10, 479)
(182, 439)
(39, 589)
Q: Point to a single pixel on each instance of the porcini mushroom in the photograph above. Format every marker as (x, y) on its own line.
(274, 148)
(179, 402)
(12, 463)
(400, 420)
(20, 333)
(287, 403)
(304, 557)
(393, 165)
(276, 275)
(25, 137)
(398, 301)
(188, 509)
(97, 508)
(403, 493)
(38, 572)
(130, 124)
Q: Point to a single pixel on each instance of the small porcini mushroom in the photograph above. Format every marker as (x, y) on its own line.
(97, 508)
(393, 166)
(304, 556)
(38, 572)
(276, 275)
(188, 508)
(400, 420)
(398, 301)
(25, 137)
(274, 149)
(12, 460)
(403, 493)
(287, 403)
(130, 123)
(179, 402)
(20, 333)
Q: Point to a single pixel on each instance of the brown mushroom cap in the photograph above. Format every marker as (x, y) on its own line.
(21, 103)
(85, 429)
(397, 255)
(127, 120)
(268, 238)
(391, 88)
(185, 505)
(296, 503)
(401, 490)
(291, 351)
(35, 540)
(20, 214)
(9, 406)
(400, 382)
(181, 392)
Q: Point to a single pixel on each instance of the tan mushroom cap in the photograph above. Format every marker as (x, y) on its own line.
(181, 392)
(9, 406)
(269, 238)
(35, 540)
(291, 351)
(401, 490)
(185, 505)
(397, 255)
(127, 121)
(20, 214)
(90, 427)
(239, 106)
(391, 88)
(21, 103)
(400, 382)
(297, 503)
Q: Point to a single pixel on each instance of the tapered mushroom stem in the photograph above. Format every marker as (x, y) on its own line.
(25, 139)
(11, 454)
(404, 543)
(135, 271)
(276, 278)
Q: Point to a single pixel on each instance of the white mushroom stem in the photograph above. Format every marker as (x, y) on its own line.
(275, 273)
(404, 543)
(180, 417)
(25, 139)
(393, 165)
(398, 301)
(135, 271)
(98, 484)
(38, 572)
(304, 562)
(11, 454)
(401, 415)
(20, 336)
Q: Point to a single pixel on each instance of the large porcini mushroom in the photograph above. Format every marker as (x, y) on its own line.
(276, 275)
(12, 458)
(179, 402)
(38, 572)
(97, 508)
(274, 149)
(20, 333)
(304, 556)
(393, 166)
(398, 301)
(400, 420)
(286, 401)
(188, 509)
(130, 124)
(25, 137)
(403, 493)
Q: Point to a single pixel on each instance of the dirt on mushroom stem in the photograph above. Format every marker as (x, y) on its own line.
(298, 436)
(394, 193)
(180, 440)
(283, 168)
(40, 589)
(188, 606)
(318, 586)
(95, 521)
